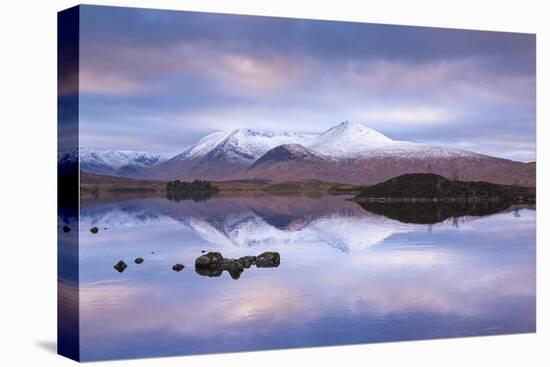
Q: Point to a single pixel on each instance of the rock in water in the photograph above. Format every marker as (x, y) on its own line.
(215, 272)
(234, 267)
(178, 267)
(66, 229)
(268, 260)
(213, 264)
(209, 260)
(94, 230)
(120, 266)
(248, 261)
(138, 260)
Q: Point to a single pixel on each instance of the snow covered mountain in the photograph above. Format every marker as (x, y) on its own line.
(244, 145)
(353, 153)
(225, 154)
(348, 152)
(353, 140)
(110, 162)
(347, 140)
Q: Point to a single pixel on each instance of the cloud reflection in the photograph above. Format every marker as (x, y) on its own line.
(413, 284)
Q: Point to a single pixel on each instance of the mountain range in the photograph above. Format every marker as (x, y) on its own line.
(125, 163)
(348, 152)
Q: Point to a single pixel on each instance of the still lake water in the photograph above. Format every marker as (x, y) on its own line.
(346, 276)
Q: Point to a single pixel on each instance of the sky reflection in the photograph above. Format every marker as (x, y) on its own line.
(346, 276)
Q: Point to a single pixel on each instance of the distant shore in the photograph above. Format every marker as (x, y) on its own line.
(93, 187)
(396, 190)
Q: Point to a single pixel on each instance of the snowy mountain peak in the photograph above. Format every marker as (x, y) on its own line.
(354, 140)
(349, 139)
(244, 145)
(205, 145)
(358, 132)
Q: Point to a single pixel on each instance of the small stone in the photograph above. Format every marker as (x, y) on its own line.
(66, 229)
(138, 260)
(203, 251)
(268, 259)
(94, 230)
(152, 252)
(120, 266)
(178, 267)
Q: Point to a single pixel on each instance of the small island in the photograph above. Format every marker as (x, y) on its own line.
(425, 198)
(428, 187)
(196, 190)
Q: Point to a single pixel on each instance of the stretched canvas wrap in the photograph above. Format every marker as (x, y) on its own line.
(236, 183)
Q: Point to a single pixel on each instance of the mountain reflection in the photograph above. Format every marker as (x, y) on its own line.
(432, 212)
(256, 221)
(345, 275)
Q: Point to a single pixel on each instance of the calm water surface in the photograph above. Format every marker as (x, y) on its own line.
(346, 276)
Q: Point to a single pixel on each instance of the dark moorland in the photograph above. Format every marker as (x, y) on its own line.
(432, 187)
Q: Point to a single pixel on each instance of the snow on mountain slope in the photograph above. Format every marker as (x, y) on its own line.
(119, 158)
(347, 138)
(245, 145)
(353, 140)
(109, 161)
(343, 141)
(204, 145)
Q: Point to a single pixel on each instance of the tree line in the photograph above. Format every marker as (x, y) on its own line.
(194, 186)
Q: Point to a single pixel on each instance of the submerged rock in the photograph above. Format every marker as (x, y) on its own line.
(178, 267)
(66, 229)
(138, 260)
(94, 230)
(120, 266)
(268, 260)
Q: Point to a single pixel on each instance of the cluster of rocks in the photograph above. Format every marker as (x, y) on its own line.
(213, 264)
(121, 265)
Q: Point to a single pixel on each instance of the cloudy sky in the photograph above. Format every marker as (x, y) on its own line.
(159, 80)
